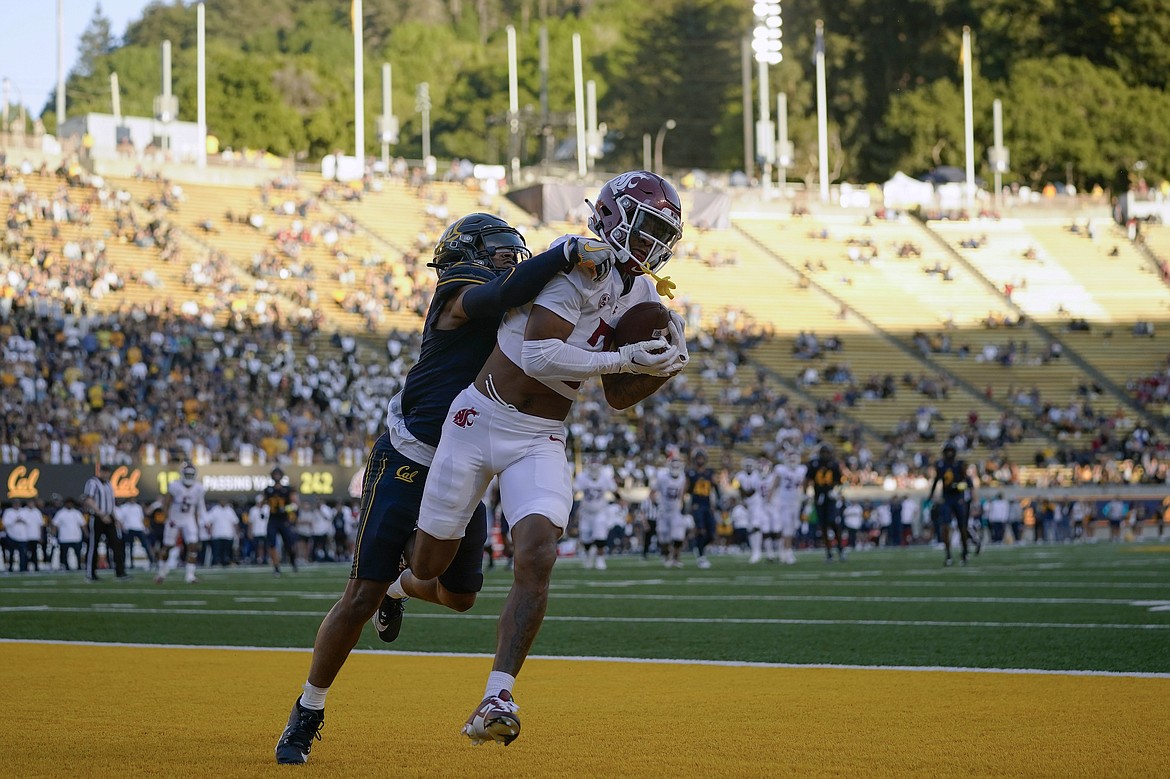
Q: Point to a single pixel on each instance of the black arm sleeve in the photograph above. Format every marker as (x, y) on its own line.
(515, 287)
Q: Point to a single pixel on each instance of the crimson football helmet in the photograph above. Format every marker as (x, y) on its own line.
(639, 215)
(477, 238)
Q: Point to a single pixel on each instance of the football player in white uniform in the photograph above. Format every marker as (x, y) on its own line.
(669, 492)
(787, 494)
(750, 481)
(186, 510)
(511, 421)
(594, 517)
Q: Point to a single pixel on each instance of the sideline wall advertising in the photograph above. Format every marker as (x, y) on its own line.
(145, 483)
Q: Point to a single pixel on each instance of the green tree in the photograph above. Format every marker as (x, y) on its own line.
(681, 61)
(96, 42)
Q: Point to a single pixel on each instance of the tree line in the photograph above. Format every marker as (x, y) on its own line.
(1082, 82)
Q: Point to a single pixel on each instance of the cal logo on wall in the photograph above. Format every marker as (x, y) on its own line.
(124, 480)
(22, 483)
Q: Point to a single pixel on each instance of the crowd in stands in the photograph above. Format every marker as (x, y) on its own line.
(263, 382)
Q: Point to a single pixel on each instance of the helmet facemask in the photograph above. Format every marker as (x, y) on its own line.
(482, 240)
(639, 215)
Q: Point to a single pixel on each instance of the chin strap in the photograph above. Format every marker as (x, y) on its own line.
(662, 284)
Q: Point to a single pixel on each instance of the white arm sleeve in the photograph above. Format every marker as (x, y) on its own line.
(554, 359)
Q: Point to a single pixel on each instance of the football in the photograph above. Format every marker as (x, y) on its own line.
(642, 322)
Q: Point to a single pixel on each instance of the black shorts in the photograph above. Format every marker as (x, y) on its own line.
(827, 510)
(953, 509)
(704, 518)
(283, 529)
(391, 493)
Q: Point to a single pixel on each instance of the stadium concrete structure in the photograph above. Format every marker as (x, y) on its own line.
(1025, 334)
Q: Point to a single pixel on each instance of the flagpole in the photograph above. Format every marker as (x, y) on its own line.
(968, 120)
(822, 114)
(579, 100)
(359, 107)
(200, 85)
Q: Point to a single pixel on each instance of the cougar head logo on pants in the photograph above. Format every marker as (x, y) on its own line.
(465, 417)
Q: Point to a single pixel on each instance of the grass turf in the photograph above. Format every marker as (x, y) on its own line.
(1094, 607)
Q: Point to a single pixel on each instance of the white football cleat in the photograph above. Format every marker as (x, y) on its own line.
(494, 720)
(601, 564)
(703, 562)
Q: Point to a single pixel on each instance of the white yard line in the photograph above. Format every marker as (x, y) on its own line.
(638, 660)
(129, 609)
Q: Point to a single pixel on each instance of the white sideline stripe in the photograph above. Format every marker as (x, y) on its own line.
(620, 620)
(624, 595)
(637, 660)
(668, 597)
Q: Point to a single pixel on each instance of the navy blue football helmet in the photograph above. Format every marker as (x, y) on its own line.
(480, 239)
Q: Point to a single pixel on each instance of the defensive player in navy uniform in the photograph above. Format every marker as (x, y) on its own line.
(484, 270)
(957, 493)
(280, 499)
(701, 490)
(824, 474)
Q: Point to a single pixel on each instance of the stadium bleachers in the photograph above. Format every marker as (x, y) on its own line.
(919, 314)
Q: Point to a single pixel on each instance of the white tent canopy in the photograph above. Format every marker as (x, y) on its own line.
(902, 191)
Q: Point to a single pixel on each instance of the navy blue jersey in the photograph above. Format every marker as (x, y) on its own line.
(953, 477)
(449, 359)
(278, 497)
(825, 475)
(701, 486)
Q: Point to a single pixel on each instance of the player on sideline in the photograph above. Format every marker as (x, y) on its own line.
(668, 493)
(511, 421)
(186, 510)
(483, 271)
(787, 483)
(957, 493)
(594, 517)
(824, 474)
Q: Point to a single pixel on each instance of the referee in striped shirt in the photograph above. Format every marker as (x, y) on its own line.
(98, 503)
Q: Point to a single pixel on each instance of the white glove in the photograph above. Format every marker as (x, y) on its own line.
(644, 357)
(595, 257)
(677, 335)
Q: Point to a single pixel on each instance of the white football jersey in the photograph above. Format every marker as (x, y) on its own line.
(594, 308)
(750, 488)
(593, 490)
(670, 491)
(788, 482)
(186, 501)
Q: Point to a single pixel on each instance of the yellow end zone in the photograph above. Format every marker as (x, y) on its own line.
(78, 710)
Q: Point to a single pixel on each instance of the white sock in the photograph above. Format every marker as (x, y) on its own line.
(395, 590)
(190, 571)
(163, 567)
(314, 697)
(497, 682)
(756, 540)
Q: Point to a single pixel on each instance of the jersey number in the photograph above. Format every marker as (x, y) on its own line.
(602, 335)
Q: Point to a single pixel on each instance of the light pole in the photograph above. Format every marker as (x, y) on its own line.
(6, 129)
(658, 141)
(7, 85)
(767, 43)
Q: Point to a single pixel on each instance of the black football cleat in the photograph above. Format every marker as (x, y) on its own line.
(388, 618)
(296, 742)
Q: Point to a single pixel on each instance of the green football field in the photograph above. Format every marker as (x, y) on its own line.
(1094, 607)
